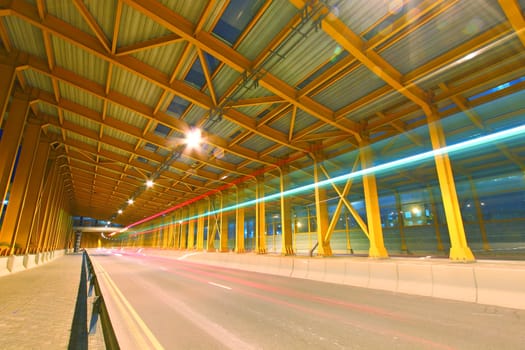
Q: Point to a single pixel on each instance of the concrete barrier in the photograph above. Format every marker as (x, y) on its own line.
(3, 266)
(357, 273)
(29, 261)
(335, 270)
(414, 278)
(286, 265)
(454, 281)
(300, 267)
(502, 286)
(316, 269)
(383, 275)
(15, 263)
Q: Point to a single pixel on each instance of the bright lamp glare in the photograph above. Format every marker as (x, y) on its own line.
(120, 211)
(130, 201)
(193, 138)
(149, 183)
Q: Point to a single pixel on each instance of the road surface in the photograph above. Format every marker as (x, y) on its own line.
(182, 305)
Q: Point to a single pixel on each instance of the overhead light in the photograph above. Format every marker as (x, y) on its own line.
(193, 138)
(119, 211)
(130, 201)
(149, 183)
(109, 222)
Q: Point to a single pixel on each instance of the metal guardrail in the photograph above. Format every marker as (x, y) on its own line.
(99, 310)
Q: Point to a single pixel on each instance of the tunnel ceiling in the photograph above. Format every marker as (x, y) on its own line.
(118, 83)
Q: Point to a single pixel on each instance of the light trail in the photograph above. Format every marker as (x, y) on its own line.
(479, 142)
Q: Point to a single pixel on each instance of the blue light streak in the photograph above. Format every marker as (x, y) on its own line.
(411, 160)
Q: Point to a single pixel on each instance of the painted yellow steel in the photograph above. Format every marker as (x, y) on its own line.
(239, 226)
(201, 209)
(184, 230)
(223, 236)
(375, 231)
(7, 72)
(321, 214)
(213, 224)
(30, 211)
(11, 137)
(286, 220)
(514, 13)
(459, 249)
(260, 218)
(191, 227)
(19, 188)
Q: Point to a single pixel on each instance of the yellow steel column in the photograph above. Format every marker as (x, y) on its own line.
(213, 222)
(191, 227)
(260, 218)
(11, 137)
(43, 208)
(321, 213)
(223, 239)
(183, 230)
(459, 249)
(239, 222)
(56, 216)
(19, 188)
(8, 73)
(286, 219)
(30, 213)
(373, 215)
(200, 225)
(51, 209)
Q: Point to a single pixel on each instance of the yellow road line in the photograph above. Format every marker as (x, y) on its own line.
(126, 309)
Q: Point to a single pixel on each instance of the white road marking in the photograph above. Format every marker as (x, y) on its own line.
(186, 255)
(219, 285)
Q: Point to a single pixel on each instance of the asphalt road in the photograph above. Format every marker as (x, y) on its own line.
(190, 306)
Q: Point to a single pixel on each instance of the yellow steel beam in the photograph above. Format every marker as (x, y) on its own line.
(8, 74)
(149, 44)
(92, 23)
(514, 13)
(85, 41)
(351, 42)
(207, 42)
(11, 137)
(4, 36)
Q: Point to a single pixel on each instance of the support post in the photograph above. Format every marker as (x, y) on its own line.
(260, 218)
(200, 225)
(321, 211)
(11, 137)
(239, 225)
(191, 228)
(459, 249)
(30, 213)
(223, 237)
(19, 188)
(8, 73)
(286, 219)
(375, 232)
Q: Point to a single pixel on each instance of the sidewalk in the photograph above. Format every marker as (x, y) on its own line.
(37, 308)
